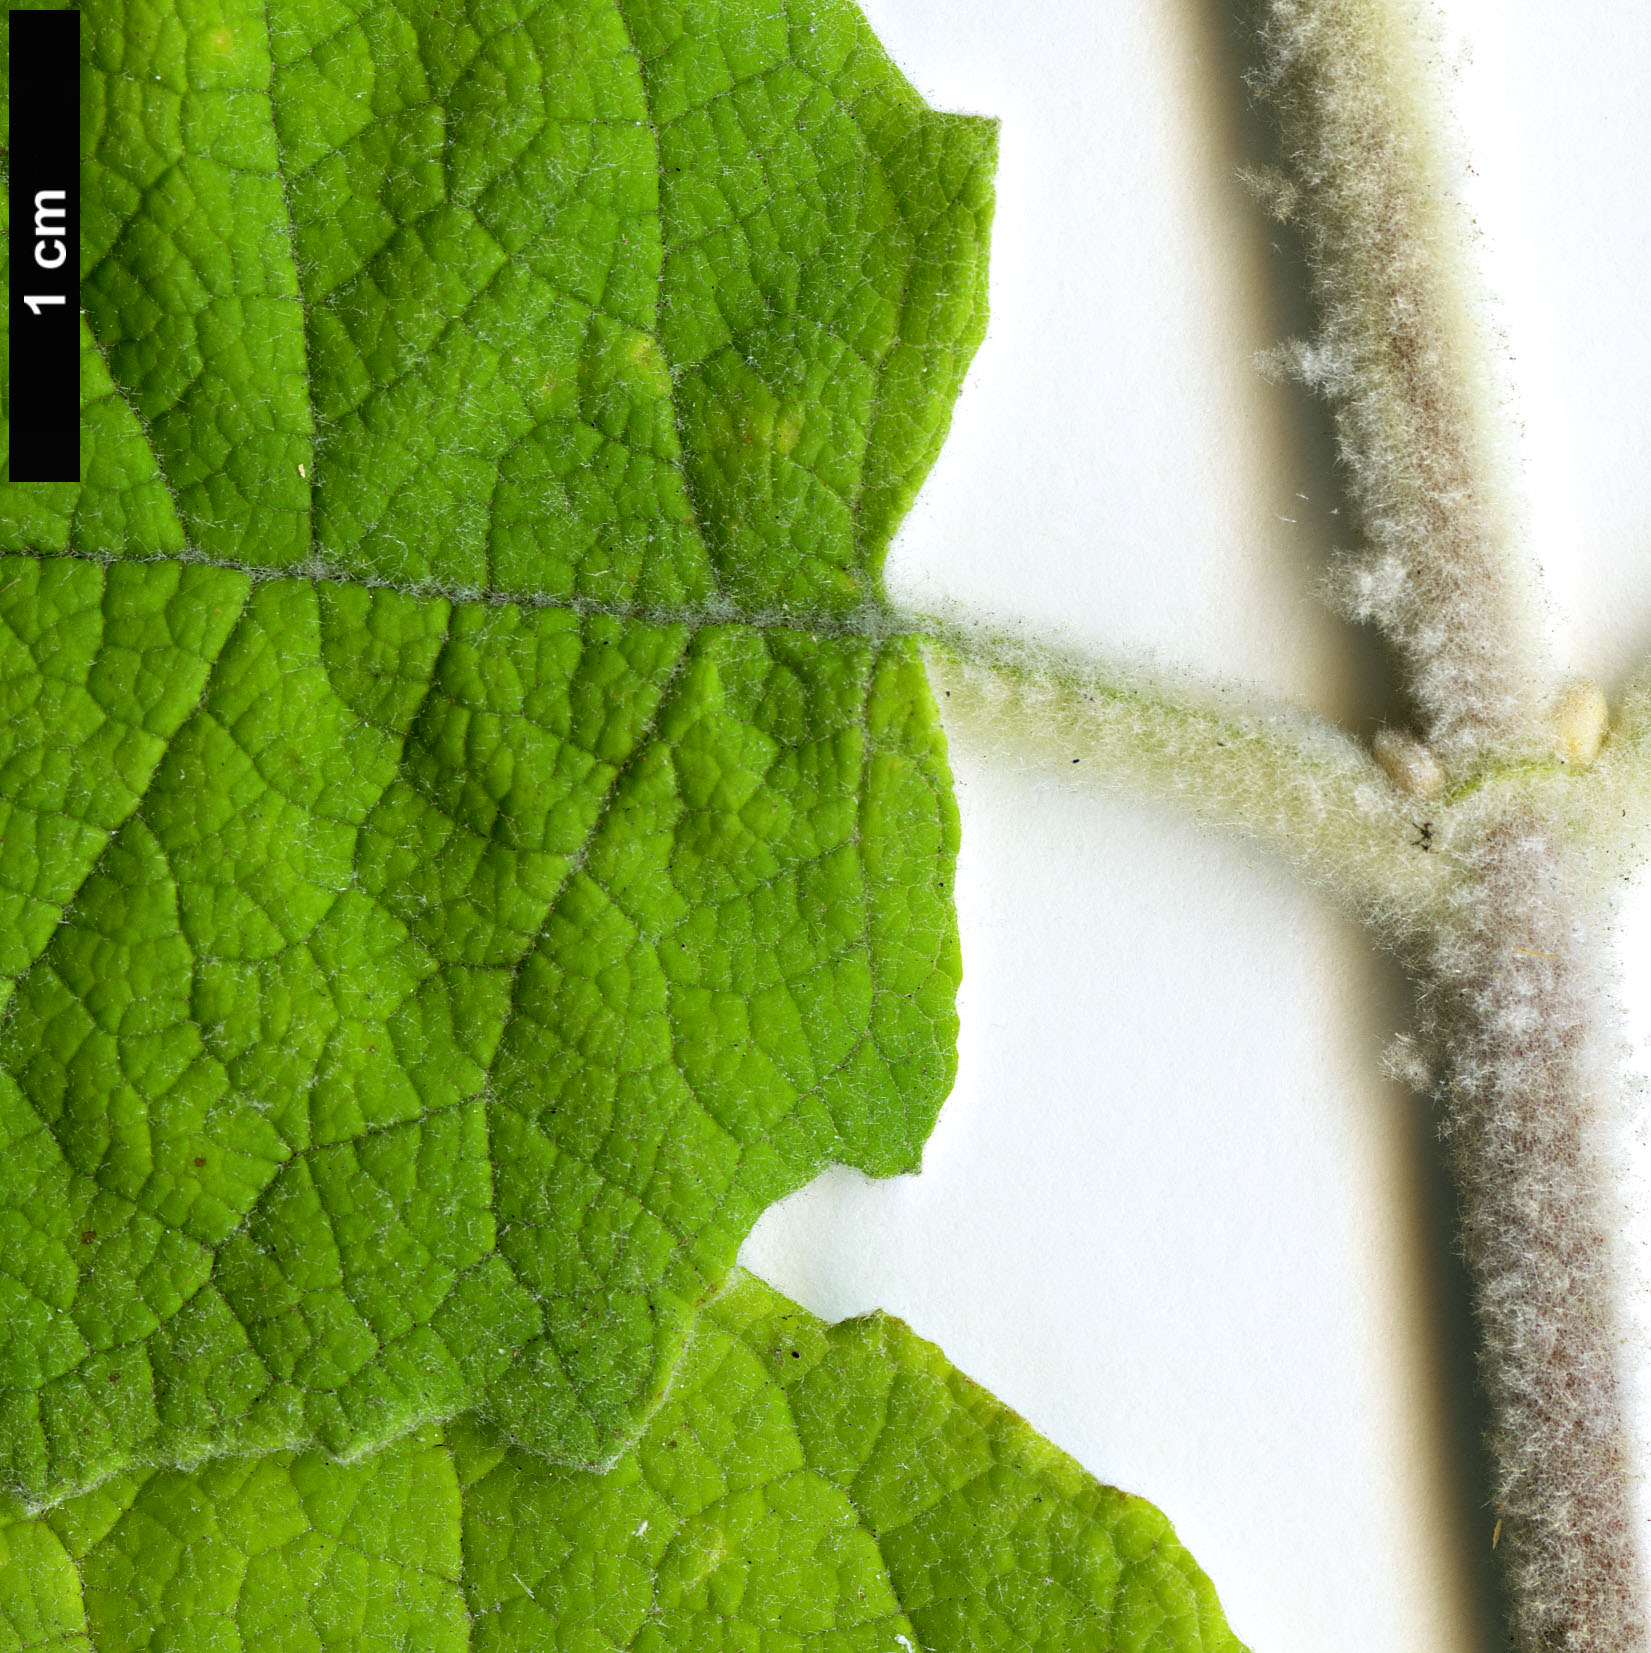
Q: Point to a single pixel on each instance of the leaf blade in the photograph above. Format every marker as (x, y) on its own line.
(517, 762)
(837, 1488)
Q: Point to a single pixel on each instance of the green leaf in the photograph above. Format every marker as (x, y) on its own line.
(833, 1488)
(40, 1600)
(470, 834)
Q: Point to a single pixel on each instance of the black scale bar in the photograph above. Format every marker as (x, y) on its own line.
(43, 310)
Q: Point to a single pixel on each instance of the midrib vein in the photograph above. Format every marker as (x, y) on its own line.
(871, 622)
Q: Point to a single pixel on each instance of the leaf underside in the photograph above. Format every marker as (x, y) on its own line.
(472, 836)
(804, 1487)
(471, 840)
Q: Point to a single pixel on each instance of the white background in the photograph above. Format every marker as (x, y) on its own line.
(1172, 1213)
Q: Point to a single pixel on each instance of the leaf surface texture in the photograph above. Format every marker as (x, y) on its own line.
(470, 834)
(807, 1488)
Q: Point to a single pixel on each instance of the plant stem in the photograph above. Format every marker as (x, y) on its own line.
(1498, 899)
(1404, 356)
(1513, 987)
(1280, 776)
(1500, 909)
(1517, 1009)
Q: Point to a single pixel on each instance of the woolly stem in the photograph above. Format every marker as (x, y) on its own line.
(1491, 896)
(1514, 997)
(1518, 1012)
(1495, 892)
(1280, 776)
(1404, 357)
